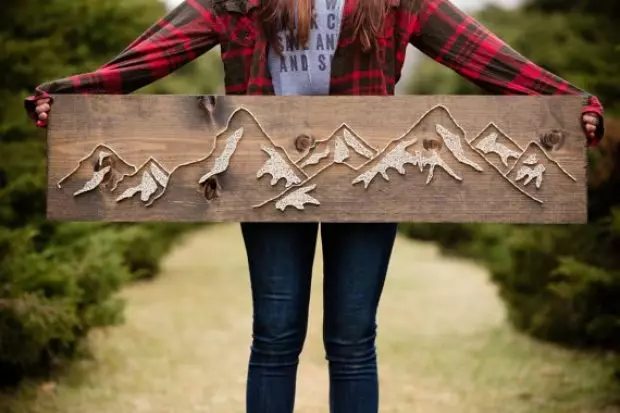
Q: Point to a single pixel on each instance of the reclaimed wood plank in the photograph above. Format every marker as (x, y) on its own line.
(341, 159)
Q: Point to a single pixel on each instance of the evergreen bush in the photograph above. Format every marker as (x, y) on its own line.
(59, 280)
(559, 282)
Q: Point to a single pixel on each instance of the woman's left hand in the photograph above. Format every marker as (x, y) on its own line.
(591, 123)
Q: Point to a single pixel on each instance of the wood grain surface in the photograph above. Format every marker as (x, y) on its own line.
(328, 158)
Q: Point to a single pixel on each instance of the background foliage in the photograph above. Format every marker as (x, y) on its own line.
(560, 283)
(58, 280)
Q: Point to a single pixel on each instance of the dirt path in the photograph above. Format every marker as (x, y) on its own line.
(444, 345)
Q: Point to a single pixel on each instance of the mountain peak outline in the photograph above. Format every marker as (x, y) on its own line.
(343, 146)
(535, 160)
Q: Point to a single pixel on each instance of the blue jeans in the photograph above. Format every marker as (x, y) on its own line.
(280, 258)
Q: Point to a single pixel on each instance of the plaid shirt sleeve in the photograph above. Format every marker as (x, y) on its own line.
(449, 36)
(185, 33)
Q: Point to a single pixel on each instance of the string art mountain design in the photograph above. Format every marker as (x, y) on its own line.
(437, 149)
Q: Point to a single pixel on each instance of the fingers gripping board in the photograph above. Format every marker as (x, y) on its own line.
(329, 159)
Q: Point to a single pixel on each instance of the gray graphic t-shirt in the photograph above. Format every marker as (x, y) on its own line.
(306, 71)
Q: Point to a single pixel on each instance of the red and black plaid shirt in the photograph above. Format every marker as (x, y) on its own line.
(436, 27)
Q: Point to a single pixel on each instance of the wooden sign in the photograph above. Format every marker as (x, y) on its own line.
(328, 158)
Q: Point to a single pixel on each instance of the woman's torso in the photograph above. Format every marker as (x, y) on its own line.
(306, 70)
(333, 64)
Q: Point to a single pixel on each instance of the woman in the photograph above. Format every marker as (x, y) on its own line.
(344, 47)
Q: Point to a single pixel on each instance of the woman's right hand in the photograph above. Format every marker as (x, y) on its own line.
(41, 112)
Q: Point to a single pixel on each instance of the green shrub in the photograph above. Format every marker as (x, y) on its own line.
(59, 280)
(147, 243)
(560, 283)
(51, 298)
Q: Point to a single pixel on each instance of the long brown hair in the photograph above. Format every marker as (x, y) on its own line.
(277, 15)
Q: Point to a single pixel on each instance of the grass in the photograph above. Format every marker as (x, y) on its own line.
(444, 345)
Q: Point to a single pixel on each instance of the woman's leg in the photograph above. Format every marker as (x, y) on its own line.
(280, 258)
(356, 258)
